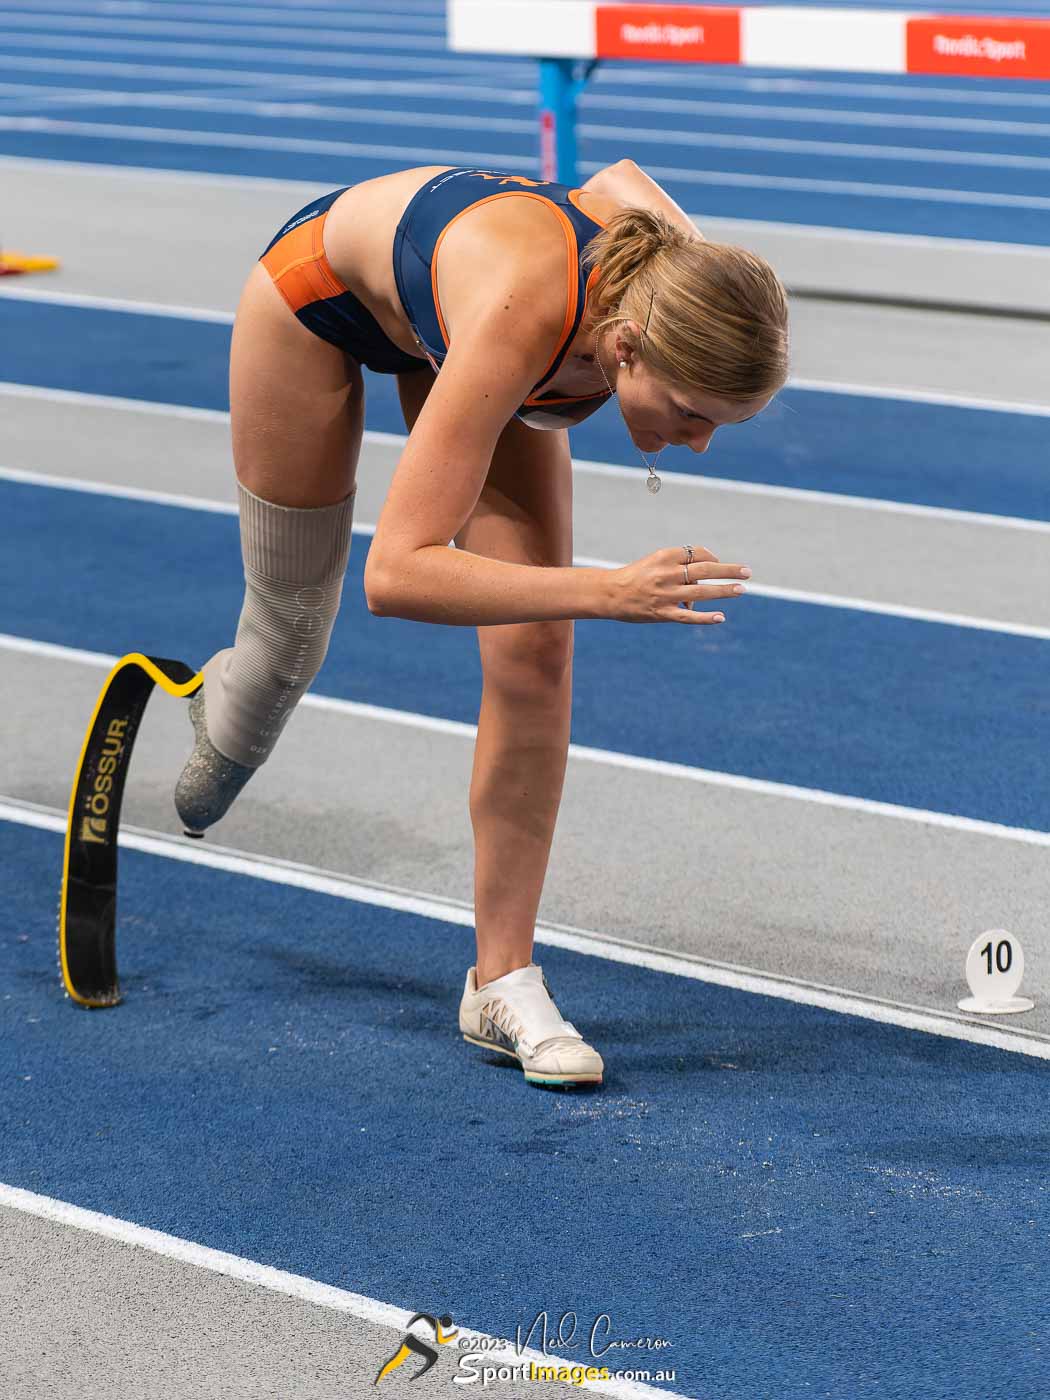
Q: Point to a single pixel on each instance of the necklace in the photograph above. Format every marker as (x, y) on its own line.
(652, 481)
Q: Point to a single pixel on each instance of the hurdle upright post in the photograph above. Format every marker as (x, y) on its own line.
(557, 120)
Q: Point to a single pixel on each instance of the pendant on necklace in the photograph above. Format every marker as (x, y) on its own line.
(652, 481)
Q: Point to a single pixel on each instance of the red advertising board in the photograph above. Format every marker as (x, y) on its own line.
(980, 48)
(684, 33)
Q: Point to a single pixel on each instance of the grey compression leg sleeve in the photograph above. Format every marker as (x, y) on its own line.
(294, 563)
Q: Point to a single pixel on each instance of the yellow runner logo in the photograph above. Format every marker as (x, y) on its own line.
(444, 1332)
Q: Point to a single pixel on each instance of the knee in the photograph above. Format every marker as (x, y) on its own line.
(530, 660)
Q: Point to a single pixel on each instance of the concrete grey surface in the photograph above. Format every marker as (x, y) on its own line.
(878, 555)
(151, 236)
(1007, 277)
(98, 1319)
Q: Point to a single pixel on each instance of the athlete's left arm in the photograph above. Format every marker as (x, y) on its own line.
(627, 183)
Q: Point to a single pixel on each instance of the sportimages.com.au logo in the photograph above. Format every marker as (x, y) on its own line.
(477, 1363)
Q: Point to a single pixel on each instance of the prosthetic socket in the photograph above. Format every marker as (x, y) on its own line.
(294, 563)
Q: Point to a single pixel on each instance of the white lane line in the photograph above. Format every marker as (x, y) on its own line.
(797, 493)
(584, 941)
(145, 174)
(297, 1286)
(608, 758)
(904, 89)
(864, 190)
(364, 116)
(37, 35)
(835, 600)
(452, 65)
(943, 400)
(135, 308)
(687, 480)
(596, 100)
(367, 530)
(361, 14)
(349, 32)
(845, 150)
(301, 16)
(292, 102)
(74, 16)
(932, 242)
(172, 136)
(75, 398)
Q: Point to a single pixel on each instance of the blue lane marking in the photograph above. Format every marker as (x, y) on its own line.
(966, 459)
(925, 715)
(828, 1206)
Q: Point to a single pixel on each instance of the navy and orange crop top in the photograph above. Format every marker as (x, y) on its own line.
(431, 212)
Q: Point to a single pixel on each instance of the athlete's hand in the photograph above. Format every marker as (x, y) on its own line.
(654, 589)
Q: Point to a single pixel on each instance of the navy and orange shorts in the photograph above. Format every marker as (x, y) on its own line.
(295, 259)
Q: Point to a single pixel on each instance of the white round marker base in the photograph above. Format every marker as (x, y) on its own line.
(996, 1008)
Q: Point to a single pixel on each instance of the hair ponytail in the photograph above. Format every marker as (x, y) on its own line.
(713, 316)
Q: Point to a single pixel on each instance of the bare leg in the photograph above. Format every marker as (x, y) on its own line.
(515, 792)
(524, 515)
(296, 404)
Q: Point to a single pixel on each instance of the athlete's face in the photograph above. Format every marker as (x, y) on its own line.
(659, 412)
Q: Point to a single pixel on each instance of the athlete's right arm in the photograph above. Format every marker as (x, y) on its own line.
(411, 572)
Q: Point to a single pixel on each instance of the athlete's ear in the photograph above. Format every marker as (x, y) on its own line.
(628, 337)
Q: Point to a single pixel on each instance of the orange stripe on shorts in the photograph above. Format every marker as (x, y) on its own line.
(300, 270)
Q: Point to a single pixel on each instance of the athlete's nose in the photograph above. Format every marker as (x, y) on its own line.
(702, 440)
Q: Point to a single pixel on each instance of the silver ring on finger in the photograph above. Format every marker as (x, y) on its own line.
(688, 553)
(687, 578)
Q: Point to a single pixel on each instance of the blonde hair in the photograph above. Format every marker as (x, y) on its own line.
(715, 315)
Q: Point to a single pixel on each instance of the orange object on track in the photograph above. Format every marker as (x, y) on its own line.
(11, 263)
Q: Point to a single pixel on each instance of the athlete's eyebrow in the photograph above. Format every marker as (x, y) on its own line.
(687, 410)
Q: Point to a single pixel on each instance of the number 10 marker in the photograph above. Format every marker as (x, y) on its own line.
(994, 968)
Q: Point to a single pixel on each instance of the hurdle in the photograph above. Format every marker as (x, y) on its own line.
(569, 38)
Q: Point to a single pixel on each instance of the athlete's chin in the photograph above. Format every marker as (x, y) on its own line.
(646, 440)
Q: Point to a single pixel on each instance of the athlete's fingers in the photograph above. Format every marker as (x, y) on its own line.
(686, 615)
(704, 592)
(676, 554)
(712, 569)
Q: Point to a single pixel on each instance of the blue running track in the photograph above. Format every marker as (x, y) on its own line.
(762, 1184)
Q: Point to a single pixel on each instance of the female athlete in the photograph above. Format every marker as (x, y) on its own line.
(535, 302)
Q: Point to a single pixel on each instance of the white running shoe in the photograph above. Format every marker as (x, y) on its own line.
(515, 1016)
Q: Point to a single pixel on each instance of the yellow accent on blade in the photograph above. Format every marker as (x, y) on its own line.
(134, 658)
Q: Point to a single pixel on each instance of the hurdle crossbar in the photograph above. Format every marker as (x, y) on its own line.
(560, 33)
